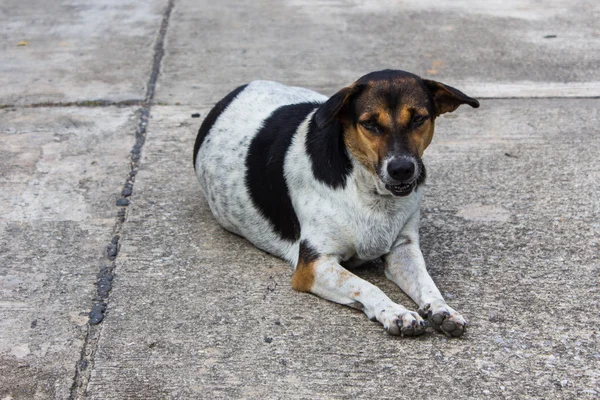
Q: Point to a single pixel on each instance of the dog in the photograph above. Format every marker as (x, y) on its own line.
(324, 182)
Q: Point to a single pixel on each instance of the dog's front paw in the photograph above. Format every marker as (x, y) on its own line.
(400, 321)
(443, 318)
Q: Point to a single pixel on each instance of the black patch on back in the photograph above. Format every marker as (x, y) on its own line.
(264, 168)
(327, 151)
(211, 118)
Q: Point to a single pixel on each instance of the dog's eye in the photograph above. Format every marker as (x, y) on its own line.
(370, 125)
(419, 119)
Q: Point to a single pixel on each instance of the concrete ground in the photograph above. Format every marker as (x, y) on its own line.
(117, 283)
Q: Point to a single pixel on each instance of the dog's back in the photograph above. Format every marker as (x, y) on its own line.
(233, 183)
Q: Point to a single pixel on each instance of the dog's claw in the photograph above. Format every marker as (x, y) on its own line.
(425, 312)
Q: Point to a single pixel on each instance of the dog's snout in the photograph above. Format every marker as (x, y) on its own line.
(401, 169)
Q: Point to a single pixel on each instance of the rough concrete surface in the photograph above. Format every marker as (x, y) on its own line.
(76, 50)
(510, 226)
(62, 170)
(199, 313)
(493, 48)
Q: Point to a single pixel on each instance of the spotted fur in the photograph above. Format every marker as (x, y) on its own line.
(320, 182)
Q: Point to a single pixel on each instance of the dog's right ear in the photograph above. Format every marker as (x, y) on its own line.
(332, 108)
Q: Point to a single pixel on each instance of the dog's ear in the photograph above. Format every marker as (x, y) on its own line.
(447, 98)
(328, 111)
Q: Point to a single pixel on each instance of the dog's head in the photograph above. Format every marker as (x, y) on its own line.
(388, 119)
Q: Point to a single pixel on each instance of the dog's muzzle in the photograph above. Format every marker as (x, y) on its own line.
(400, 176)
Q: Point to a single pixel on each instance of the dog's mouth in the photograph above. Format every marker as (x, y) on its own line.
(403, 189)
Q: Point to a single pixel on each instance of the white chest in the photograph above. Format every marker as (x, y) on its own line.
(340, 223)
(375, 231)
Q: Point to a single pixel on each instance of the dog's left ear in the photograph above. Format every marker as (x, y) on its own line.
(447, 98)
(330, 110)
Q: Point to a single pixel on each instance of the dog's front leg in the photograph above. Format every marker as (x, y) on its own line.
(324, 276)
(405, 266)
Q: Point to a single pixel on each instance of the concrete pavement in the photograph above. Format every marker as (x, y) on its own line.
(76, 51)
(510, 220)
(490, 49)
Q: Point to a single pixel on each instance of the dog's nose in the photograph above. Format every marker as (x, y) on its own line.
(401, 169)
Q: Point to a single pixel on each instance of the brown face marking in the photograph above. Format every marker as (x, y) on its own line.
(405, 115)
(383, 118)
(304, 276)
(363, 146)
(420, 137)
(389, 103)
(366, 145)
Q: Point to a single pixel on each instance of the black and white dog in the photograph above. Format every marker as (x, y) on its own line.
(320, 182)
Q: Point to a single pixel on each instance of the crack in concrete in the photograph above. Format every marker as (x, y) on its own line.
(84, 366)
(80, 103)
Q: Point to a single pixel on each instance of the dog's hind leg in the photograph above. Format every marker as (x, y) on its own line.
(405, 266)
(324, 276)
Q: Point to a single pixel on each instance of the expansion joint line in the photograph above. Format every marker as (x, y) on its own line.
(106, 272)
